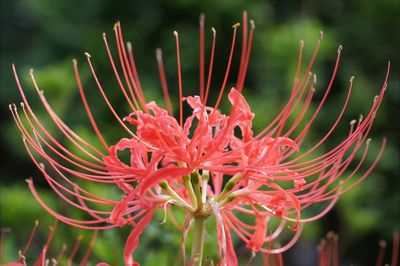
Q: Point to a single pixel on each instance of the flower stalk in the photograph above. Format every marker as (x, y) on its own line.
(198, 240)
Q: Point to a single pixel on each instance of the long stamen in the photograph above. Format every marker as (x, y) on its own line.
(29, 240)
(118, 78)
(88, 56)
(395, 252)
(52, 230)
(86, 105)
(163, 80)
(72, 136)
(89, 250)
(61, 254)
(297, 84)
(244, 48)
(77, 223)
(39, 124)
(201, 57)
(214, 33)
(381, 253)
(244, 66)
(128, 81)
(74, 250)
(130, 65)
(228, 65)
(178, 59)
(286, 114)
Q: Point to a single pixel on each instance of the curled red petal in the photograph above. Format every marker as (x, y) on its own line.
(133, 239)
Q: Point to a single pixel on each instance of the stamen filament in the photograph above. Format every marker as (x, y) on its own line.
(178, 59)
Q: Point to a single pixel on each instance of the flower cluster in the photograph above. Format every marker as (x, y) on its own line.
(207, 163)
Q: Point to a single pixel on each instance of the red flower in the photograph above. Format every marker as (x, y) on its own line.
(207, 164)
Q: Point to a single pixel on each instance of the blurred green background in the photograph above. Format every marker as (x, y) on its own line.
(46, 35)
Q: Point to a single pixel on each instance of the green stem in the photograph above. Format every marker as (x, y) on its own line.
(195, 177)
(198, 240)
(189, 187)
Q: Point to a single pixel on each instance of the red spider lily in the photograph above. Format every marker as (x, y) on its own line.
(43, 260)
(199, 163)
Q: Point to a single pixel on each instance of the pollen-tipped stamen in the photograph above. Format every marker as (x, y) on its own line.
(221, 92)
(163, 80)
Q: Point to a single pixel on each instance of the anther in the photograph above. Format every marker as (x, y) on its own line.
(352, 122)
(202, 18)
(339, 48)
(352, 78)
(129, 46)
(252, 24)
(315, 79)
(20, 255)
(236, 25)
(382, 243)
(321, 35)
(87, 55)
(301, 43)
(74, 61)
(104, 35)
(330, 235)
(214, 32)
(159, 54)
(176, 33)
(31, 71)
(376, 98)
(22, 105)
(368, 141)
